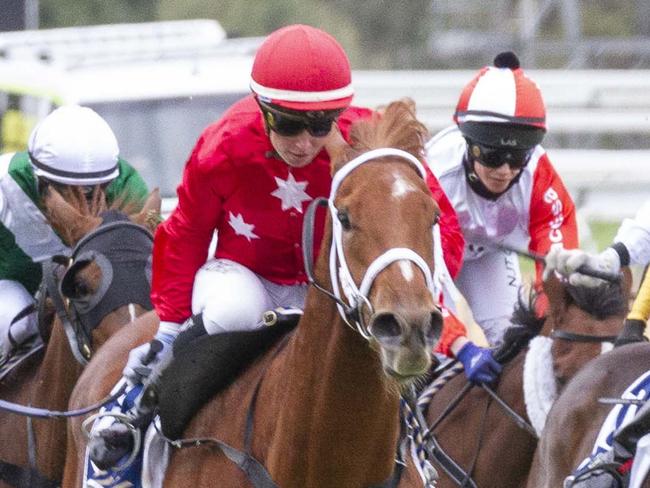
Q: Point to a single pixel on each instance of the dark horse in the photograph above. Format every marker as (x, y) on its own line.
(577, 415)
(36, 454)
(478, 434)
(326, 401)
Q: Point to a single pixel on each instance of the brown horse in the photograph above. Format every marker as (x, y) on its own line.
(478, 434)
(46, 380)
(577, 415)
(326, 401)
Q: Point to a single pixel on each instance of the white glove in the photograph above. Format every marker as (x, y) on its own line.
(567, 261)
(143, 358)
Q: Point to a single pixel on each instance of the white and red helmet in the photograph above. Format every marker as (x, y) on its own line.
(501, 106)
(299, 67)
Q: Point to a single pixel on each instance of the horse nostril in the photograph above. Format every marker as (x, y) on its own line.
(385, 326)
(434, 329)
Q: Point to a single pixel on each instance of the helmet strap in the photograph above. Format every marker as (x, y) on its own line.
(477, 186)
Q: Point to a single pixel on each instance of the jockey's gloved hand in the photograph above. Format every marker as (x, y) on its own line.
(480, 366)
(632, 332)
(567, 261)
(158, 351)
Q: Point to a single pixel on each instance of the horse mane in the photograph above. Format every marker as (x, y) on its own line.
(606, 300)
(80, 208)
(395, 125)
(526, 325)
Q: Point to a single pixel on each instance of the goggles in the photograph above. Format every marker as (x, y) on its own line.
(318, 124)
(494, 157)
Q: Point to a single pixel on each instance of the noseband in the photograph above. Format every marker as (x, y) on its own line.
(122, 250)
(357, 296)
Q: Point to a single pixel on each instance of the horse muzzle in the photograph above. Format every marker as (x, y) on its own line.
(406, 341)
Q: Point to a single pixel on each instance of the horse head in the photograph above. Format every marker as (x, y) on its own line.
(382, 241)
(583, 322)
(106, 281)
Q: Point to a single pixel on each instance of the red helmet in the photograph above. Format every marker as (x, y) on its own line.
(302, 68)
(501, 98)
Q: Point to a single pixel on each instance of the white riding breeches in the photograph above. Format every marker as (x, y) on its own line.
(14, 298)
(231, 297)
(490, 284)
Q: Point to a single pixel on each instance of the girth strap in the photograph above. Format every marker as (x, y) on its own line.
(254, 470)
(21, 477)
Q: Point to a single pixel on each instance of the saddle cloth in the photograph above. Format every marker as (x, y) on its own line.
(619, 415)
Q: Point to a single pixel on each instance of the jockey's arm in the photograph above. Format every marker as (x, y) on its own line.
(453, 242)
(552, 215)
(631, 246)
(480, 366)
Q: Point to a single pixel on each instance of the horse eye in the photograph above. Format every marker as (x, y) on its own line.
(344, 218)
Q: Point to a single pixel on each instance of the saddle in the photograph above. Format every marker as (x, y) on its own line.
(205, 365)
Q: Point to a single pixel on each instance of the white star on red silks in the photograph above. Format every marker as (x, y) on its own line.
(291, 193)
(241, 228)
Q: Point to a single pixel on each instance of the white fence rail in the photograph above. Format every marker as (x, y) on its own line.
(603, 101)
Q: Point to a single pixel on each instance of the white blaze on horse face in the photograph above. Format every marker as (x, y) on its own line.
(407, 270)
(401, 187)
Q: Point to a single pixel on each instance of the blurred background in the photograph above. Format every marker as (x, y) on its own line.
(159, 80)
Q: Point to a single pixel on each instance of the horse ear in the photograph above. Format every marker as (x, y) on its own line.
(556, 294)
(66, 220)
(149, 216)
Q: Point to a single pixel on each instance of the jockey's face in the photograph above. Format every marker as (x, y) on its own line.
(496, 179)
(299, 150)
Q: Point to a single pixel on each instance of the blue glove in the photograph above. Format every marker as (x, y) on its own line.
(158, 351)
(480, 365)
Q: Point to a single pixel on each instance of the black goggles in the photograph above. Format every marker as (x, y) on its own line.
(289, 125)
(494, 157)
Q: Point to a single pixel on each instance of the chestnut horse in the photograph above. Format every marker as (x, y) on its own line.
(478, 434)
(37, 447)
(324, 404)
(577, 416)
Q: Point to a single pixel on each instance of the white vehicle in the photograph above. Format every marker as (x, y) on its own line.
(157, 85)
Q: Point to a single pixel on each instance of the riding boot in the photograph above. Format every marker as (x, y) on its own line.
(115, 441)
(627, 436)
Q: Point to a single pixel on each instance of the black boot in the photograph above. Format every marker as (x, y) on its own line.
(626, 437)
(110, 445)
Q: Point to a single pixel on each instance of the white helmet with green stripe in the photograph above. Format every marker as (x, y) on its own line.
(74, 146)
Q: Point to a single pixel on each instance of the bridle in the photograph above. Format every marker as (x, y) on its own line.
(122, 250)
(356, 297)
(584, 338)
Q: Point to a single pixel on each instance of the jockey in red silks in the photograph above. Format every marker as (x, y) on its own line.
(503, 187)
(250, 178)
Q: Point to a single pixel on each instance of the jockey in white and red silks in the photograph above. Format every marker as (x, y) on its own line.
(503, 187)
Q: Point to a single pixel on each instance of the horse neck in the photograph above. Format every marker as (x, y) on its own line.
(58, 372)
(338, 417)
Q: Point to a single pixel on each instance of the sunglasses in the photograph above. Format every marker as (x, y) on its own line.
(494, 157)
(286, 125)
